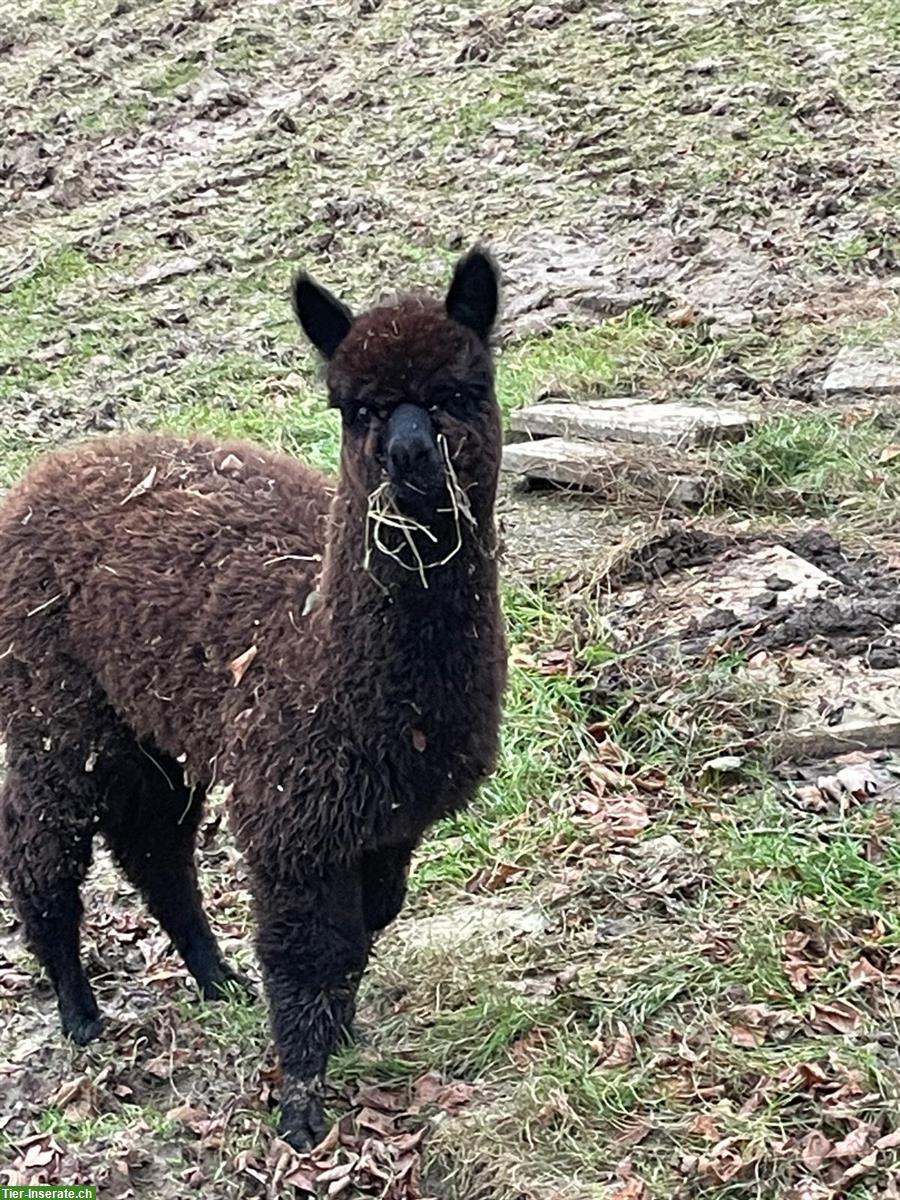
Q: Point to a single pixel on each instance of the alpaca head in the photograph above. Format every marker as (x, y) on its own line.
(413, 382)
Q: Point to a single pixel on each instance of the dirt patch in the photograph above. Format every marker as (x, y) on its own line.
(678, 547)
(715, 277)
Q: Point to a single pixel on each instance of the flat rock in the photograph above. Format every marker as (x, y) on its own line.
(846, 705)
(632, 420)
(468, 923)
(730, 587)
(613, 470)
(872, 370)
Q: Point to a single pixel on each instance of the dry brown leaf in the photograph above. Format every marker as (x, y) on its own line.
(813, 1076)
(890, 1141)
(862, 973)
(858, 1169)
(837, 1017)
(704, 1126)
(631, 1189)
(634, 1132)
(238, 666)
(371, 1096)
(889, 453)
(814, 1149)
(379, 1122)
(528, 1048)
(144, 486)
(743, 1035)
(196, 1119)
(622, 817)
(617, 1053)
(855, 1143)
(557, 662)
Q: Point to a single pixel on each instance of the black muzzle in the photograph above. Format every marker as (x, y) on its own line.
(413, 461)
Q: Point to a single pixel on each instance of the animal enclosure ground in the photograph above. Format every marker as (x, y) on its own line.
(626, 973)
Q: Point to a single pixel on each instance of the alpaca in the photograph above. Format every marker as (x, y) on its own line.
(178, 613)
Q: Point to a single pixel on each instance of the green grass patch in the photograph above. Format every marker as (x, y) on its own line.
(816, 464)
(621, 353)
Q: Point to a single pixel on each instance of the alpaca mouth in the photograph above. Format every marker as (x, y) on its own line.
(399, 516)
(420, 501)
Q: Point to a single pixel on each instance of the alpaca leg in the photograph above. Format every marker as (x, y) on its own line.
(151, 828)
(47, 831)
(313, 948)
(384, 877)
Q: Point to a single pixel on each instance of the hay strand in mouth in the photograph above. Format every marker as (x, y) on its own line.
(383, 514)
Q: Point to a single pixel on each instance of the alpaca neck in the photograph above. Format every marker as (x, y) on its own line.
(374, 600)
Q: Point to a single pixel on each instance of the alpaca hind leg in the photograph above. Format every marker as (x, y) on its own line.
(47, 831)
(313, 945)
(151, 827)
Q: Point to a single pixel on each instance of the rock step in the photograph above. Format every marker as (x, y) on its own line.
(633, 420)
(611, 469)
(865, 370)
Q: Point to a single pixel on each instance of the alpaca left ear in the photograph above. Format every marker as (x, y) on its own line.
(474, 293)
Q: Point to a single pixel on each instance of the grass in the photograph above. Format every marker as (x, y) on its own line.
(815, 464)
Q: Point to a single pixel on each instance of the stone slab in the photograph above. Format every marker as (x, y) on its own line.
(633, 420)
(865, 370)
(731, 586)
(607, 469)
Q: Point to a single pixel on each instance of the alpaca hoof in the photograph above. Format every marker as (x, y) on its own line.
(227, 985)
(82, 1028)
(302, 1123)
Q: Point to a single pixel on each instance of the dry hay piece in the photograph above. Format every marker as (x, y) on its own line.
(383, 514)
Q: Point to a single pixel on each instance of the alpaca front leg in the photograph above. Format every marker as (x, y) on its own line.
(313, 952)
(385, 873)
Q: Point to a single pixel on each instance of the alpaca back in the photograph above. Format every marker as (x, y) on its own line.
(152, 563)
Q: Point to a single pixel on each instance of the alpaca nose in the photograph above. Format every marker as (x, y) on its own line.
(411, 453)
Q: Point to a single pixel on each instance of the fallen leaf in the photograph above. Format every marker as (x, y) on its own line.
(140, 488)
(890, 1141)
(856, 1141)
(814, 1149)
(862, 973)
(622, 817)
(724, 763)
(195, 1119)
(857, 1170)
(557, 662)
(889, 453)
(618, 1053)
(379, 1122)
(838, 1017)
(749, 1039)
(858, 781)
(634, 1132)
(704, 1126)
(238, 666)
(631, 1189)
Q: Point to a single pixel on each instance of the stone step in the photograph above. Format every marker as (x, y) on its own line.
(633, 420)
(611, 469)
(865, 370)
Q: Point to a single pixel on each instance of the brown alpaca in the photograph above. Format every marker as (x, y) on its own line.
(179, 613)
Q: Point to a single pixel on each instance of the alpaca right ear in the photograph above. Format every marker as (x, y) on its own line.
(323, 318)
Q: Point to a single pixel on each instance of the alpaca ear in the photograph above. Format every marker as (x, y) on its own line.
(474, 293)
(323, 318)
